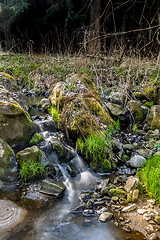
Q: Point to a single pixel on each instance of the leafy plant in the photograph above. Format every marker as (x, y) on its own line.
(54, 112)
(135, 128)
(149, 104)
(150, 176)
(31, 170)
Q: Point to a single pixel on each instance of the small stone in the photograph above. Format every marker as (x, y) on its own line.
(129, 208)
(135, 195)
(157, 219)
(151, 201)
(141, 211)
(150, 229)
(118, 193)
(137, 161)
(153, 236)
(147, 216)
(123, 201)
(100, 211)
(88, 212)
(114, 199)
(105, 216)
(131, 183)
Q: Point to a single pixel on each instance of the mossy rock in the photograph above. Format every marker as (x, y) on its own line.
(80, 108)
(36, 139)
(136, 110)
(59, 150)
(118, 192)
(16, 126)
(154, 117)
(8, 163)
(31, 153)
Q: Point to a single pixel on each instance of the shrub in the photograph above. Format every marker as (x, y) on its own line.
(31, 170)
(150, 176)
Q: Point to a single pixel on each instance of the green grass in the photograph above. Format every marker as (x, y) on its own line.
(95, 148)
(150, 176)
(31, 170)
(54, 112)
(37, 138)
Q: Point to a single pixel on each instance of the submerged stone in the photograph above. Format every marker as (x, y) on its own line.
(51, 187)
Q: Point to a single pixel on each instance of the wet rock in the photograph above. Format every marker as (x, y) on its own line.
(118, 192)
(102, 210)
(78, 209)
(114, 199)
(105, 216)
(117, 145)
(144, 152)
(88, 212)
(32, 153)
(51, 187)
(148, 216)
(8, 163)
(98, 203)
(131, 183)
(84, 197)
(37, 138)
(137, 161)
(129, 208)
(105, 191)
(10, 214)
(126, 228)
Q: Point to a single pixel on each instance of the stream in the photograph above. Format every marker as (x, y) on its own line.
(57, 221)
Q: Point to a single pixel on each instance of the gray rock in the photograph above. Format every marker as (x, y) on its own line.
(8, 163)
(136, 110)
(105, 216)
(137, 161)
(10, 214)
(128, 147)
(131, 183)
(51, 187)
(129, 208)
(32, 153)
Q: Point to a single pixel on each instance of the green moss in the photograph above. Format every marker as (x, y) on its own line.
(149, 104)
(95, 108)
(58, 148)
(118, 192)
(37, 138)
(106, 166)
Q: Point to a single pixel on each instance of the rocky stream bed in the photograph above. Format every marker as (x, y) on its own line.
(70, 200)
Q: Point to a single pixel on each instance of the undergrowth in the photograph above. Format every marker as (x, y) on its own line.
(31, 170)
(97, 149)
(150, 176)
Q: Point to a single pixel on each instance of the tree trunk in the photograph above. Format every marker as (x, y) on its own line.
(94, 42)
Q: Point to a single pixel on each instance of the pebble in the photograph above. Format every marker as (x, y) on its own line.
(129, 208)
(141, 211)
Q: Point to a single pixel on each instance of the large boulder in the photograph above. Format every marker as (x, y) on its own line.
(80, 107)
(31, 153)
(8, 163)
(16, 126)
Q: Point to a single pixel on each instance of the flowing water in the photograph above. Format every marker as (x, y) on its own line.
(57, 221)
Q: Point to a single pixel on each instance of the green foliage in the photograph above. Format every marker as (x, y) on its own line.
(135, 128)
(95, 148)
(149, 104)
(31, 170)
(54, 112)
(37, 138)
(150, 176)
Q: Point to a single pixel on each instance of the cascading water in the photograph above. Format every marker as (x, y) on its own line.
(60, 221)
